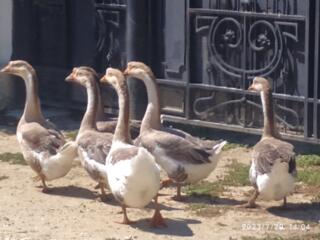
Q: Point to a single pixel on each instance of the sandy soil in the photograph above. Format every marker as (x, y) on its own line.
(73, 211)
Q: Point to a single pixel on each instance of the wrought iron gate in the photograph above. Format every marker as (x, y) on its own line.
(204, 53)
(227, 44)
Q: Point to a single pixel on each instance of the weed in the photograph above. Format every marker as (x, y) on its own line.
(12, 158)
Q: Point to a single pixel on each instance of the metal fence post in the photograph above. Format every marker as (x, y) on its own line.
(137, 50)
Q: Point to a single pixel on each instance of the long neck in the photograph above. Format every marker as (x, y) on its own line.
(122, 129)
(100, 113)
(89, 118)
(151, 119)
(269, 128)
(32, 110)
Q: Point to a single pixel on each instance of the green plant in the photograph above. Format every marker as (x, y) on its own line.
(12, 158)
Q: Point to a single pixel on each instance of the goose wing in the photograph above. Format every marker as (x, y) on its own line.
(110, 127)
(96, 144)
(174, 147)
(41, 139)
(202, 143)
(267, 151)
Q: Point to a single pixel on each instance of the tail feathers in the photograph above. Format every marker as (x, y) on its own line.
(69, 148)
(218, 147)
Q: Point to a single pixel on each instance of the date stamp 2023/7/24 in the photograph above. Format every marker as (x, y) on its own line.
(275, 227)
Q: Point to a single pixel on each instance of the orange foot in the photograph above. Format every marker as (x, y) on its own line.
(166, 183)
(157, 220)
(179, 198)
(248, 205)
(46, 190)
(127, 222)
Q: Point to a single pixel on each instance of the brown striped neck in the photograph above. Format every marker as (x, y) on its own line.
(32, 109)
(89, 119)
(100, 112)
(269, 126)
(122, 129)
(151, 119)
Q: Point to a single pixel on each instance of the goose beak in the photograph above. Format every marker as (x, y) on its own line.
(251, 88)
(70, 78)
(126, 72)
(6, 69)
(103, 79)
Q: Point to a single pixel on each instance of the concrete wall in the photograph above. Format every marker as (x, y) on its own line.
(5, 30)
(6, 83)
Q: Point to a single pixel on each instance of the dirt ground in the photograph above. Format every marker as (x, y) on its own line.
(73, 211)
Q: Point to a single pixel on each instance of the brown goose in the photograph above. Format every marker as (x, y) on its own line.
(133, 175)
(273, 167)
(141, 71)
(43, 146)
(183, 157)
(94, 146)
(106, 125)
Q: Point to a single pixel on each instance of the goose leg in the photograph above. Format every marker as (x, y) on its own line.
(166, 183)
(178, 197)
(284, 204)
(103, 195)
(252, 201)
(125, 217)
(45, 188)
(157, 219)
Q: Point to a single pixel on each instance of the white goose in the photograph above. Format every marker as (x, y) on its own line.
(42, 145)
(94, 146)
(184, 158)
(133, 175)
(273, 167)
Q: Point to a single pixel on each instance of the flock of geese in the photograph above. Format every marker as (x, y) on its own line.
(131, 169)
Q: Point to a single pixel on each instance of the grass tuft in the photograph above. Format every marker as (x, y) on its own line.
(230, 146)
(309, 176)
(207, 210)
(204, 189)
(12, 158)
(308, 160)
(71, 134)
(238, 175)
(309, 169)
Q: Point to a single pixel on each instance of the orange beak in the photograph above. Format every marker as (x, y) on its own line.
(70, 78)
(103, 79)
(126, 72)
(6, 69)
(251, 88)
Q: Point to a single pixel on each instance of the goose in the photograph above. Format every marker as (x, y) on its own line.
(104, 124)
(44, 148)
(147, 76)
(134, 177)
(183, 157)
(273, 167)
(93, 145)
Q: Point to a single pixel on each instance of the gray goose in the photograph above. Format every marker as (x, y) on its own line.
(133, 175)
(43, 146)
(273, 166)
(184, 158)
(93, 145)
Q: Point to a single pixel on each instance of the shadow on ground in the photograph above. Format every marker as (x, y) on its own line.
(298, 211)
(175, 227)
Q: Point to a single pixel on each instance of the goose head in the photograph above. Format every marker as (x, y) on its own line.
(85, 76)
(138, 70)
(19, 68)
(115, 78)
(259, 84)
